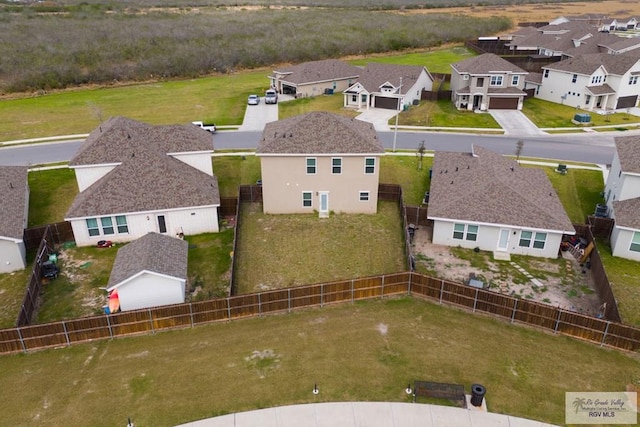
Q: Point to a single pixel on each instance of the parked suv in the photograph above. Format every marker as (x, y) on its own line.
(271, 97)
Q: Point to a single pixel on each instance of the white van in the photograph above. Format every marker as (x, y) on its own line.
(271, 97)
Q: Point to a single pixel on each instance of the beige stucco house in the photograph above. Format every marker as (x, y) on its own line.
(314, 78)
(320, 162)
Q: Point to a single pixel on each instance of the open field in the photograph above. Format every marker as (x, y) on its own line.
(366, 351)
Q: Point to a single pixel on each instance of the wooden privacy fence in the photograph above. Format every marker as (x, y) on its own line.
(59, 232)
(148, 321)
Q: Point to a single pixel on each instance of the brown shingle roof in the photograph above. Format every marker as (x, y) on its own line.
(148, 181)
(587, 64)
(152, 252)
(119, 137)
(319, 132)
(493, 189)
(603, 89)
(486, 63)
(628, 148)
(374, 75)
(627, 213)
(318, 71)
(13, 201)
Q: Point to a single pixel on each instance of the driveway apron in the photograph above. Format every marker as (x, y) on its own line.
(514, 122)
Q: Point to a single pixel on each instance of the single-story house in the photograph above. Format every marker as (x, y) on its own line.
(487, 201)
(14, 211)
(487, 82)
(622, 195)
(320, 162)
(314, 78)
(135, 178)
(388, 86)
(150, 271)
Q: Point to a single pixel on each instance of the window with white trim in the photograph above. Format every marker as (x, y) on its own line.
(465, 232)
(92, 227)
(307, 199)
(546, 74)
(574, 78)
(364, 196)
(311, 165)
(633, 80)
(104, 226)
(354, 98)
(107, 225)
(635, 242)
(121, 223)
(515, 80)
(596, 80)
(369, 165)
(336, 165)
(496, 81)
(536, 240)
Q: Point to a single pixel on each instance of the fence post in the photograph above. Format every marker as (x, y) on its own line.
(151, 321)
(410, 282)
(441, 289)
(475, 301)
(229, 308)
(515, 306)
(191, 313)
(604, 336)
(555, 329)
(109, 326)
(24, 347)
(260, 304)
(382, 290)
(289, 298)
(66, 334)
(322, 295)
(352, 291)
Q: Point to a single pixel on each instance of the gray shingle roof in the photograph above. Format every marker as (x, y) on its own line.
(374, 75)
(628, 148)
(319, 132)
(146, 182)
(534, 78)
(493, 189)
(627, 213)
(153, 252)
(587, 64)
(318, 71)
(603, 89)
(119, 137)
(487, 63)
(13, 201)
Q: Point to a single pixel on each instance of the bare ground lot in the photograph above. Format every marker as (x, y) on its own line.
(560, 282)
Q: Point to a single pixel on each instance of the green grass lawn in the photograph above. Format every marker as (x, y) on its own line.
(331, 103)
(403, 169)
(233, 171)
(279, 251)
(579, 191)
(51, 194)
(436, 60)
(443, 113)
(545, 114)
(209, 264)
(367, 351)
(12, 289)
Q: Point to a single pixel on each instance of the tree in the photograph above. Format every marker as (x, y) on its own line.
(420, 154)
(519, 147)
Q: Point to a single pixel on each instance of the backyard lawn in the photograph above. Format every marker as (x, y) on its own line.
(545, 114)
(367, 351)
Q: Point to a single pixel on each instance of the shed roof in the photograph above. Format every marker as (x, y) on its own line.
(152, 252)
(13, 201)
(489, 188)
(319, 132)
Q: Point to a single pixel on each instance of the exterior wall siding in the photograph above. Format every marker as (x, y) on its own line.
(12, 256)
(620, 243)
(285, 178)
(189, 221)
(200, 161)
(86, 176)
(315, 89)
(150, 290)
(488, 237)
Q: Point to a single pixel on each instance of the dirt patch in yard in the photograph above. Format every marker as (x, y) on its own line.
(563, 283)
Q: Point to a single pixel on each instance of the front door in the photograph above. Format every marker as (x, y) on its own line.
(162, 224)
(477, 99)
(324, 204)
(503, 242)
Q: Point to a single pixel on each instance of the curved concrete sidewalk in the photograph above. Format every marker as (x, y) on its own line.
(366, 414)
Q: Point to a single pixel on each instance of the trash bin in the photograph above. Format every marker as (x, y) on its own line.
(477, 394)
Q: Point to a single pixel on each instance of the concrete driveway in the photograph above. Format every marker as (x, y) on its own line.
(256, 116)
(514, 122)
(378, 116)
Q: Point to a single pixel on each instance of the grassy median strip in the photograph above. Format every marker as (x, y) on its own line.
(367, 351)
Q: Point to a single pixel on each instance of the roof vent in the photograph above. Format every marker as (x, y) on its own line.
(512, 169)
(128, 136)
(456, 169)
(11, 185)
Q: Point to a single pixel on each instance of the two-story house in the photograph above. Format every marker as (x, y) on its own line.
(388, 86)
(135, 178)
(487, 82)
(320, 162)
(593, 82)
(622, 195)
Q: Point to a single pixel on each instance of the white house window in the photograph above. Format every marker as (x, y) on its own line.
(107, 225)
(336, 165)
(369, 165)
(311, 165)
(354, 98)
(515, 80)
(574, 78)
(587, 99)
(121, 222)
(596, 79)
(92, 227)
(307, 200)
(364, 97)
(496, 81)
(480, 82)
(546, 73)
(633, 80)
(530, 239)
(465, 232)
(364, 196)
(635, 242)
